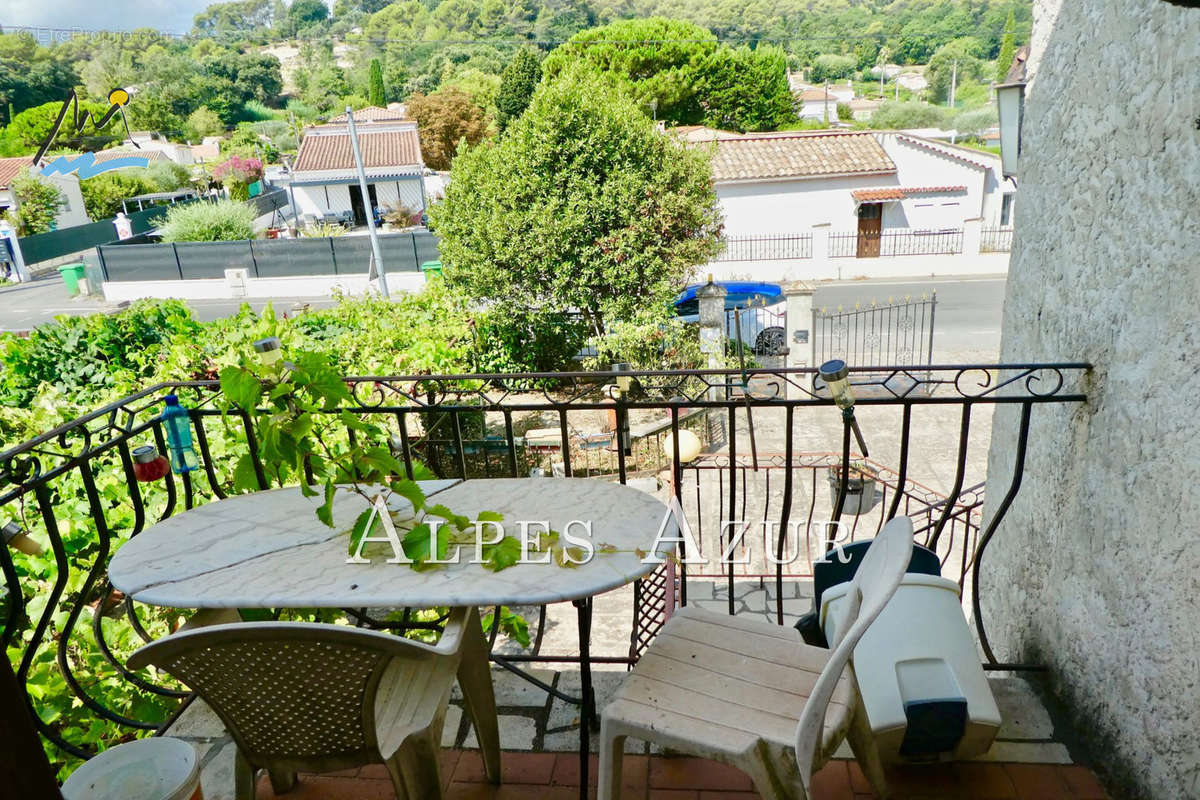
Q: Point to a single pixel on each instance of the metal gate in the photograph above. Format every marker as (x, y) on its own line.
(896, 333)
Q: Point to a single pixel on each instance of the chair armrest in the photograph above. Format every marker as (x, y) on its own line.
(456, 629)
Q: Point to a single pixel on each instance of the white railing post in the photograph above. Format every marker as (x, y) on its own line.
(972, 236)
(799, 296)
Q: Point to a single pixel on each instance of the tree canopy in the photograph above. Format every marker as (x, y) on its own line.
(582, 204)
(517, 84)
(445, 118)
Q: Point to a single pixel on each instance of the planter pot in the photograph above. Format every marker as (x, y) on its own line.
(861, 496)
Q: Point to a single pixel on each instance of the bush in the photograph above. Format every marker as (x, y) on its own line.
(830, 67)
(518, 342)
(224, 221)
(898, 116)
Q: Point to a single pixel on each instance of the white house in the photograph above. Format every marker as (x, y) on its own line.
(867, 182)
(70, 214)
(818, 104)
(324, 179)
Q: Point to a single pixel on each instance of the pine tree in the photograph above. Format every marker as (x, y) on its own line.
(375, 86)
(1008, 48)
(517, 83)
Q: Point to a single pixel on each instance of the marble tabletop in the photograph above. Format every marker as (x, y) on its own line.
(269, 550)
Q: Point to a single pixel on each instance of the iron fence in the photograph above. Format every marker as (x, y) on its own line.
(996, 240)
(74, 488)
(895, 242)
(767, 248)
(895, 332)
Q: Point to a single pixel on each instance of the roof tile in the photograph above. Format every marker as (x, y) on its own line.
(799, 156)
(390, 148)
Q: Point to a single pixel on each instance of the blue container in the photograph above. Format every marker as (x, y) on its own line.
(178, 423)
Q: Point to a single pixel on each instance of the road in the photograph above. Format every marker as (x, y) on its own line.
(967, 319)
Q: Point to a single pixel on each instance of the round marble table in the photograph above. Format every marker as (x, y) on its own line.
(269, 550)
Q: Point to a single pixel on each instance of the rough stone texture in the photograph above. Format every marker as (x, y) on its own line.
(1095, 570)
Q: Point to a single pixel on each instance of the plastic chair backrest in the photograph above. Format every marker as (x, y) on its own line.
(285, 690)
(873, 585)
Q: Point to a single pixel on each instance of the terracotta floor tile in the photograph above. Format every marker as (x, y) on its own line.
(673, 794)
(1083, 783)
(1038, 782)
(528, 768)
(729, 796)
(832, 782)
(697, 773)
(566, 769)
(470, 791)
(985, 781)
(319, 787)
(858, 781)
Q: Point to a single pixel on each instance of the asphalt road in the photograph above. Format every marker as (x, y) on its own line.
(967, 319)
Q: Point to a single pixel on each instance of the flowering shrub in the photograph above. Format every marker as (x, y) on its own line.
(237, 174)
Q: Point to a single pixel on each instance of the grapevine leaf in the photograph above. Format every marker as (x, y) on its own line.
(241, 387)
(503, 554)
(359, 530)
(325, 510)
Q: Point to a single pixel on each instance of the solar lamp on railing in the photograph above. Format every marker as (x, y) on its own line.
(269, 350)
(13, 536)
(836, 375)
(624, 374)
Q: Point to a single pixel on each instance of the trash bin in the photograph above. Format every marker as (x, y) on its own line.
(432, 269)
(924, 692)
(158, 768)
(71, 275)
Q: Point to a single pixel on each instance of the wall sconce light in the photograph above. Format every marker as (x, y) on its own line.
(1010, 104)
(12, 536)
(836, 376)
(269, 350)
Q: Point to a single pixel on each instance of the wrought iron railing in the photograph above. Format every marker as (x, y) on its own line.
(898, 331)
(770, 438)
(996, 240)
(895, 242)
(776, 247)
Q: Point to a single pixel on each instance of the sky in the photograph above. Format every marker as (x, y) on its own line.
(164, 15)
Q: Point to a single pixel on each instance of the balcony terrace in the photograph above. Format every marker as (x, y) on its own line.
(772, 439)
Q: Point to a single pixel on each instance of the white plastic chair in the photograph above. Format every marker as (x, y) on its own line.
(319, 698)
(752, 694)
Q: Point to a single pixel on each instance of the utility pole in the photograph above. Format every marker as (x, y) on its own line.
(953, 82)
(377, 255)
(825, 104)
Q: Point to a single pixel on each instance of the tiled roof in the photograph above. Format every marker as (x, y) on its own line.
(950, 151)
(126, 152)
(800, 156)
(901, 192)
(371, 114)
(9, 167)
(331, 151)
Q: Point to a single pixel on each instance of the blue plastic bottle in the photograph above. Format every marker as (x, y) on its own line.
(179, 436)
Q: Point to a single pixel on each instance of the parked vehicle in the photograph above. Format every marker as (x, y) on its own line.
(758, 309)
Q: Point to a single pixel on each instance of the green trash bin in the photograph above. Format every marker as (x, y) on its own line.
(72, 274)
(432, 269)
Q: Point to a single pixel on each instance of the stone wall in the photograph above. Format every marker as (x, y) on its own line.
(1095, 571)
